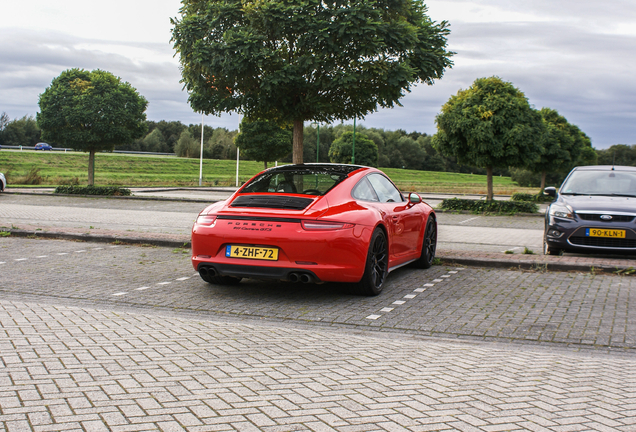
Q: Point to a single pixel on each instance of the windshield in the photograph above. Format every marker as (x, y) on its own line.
(604, 182)
(309, 181)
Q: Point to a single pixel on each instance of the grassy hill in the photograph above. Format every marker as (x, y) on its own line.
(116, 169)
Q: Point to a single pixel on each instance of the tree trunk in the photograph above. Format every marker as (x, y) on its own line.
(298, 142)
(542, 181)
(265, 164)
(490, 192)
(91, 167)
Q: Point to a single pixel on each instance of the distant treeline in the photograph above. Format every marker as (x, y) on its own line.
(397, 149)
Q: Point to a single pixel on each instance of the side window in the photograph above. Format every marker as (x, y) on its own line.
(385, 190)
(363, 191)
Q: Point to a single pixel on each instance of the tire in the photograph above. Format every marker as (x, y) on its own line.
(376, 267)
(429, 245)
(547, 250)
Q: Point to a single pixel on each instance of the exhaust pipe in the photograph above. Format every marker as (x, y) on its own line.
(206, 271)
(293, 277)
(305, 278)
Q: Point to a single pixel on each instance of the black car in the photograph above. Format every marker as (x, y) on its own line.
(594, 211)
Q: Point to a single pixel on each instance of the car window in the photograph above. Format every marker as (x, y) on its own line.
(385, 190)
(363, 191)
(307, 181)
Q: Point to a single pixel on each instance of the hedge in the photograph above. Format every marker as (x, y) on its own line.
(93, 190)
(539, 198)
(501, 207)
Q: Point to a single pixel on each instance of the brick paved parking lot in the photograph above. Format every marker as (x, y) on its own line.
(99, 337)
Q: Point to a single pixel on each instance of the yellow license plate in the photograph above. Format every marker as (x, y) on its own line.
(599, 232)
(251, 252)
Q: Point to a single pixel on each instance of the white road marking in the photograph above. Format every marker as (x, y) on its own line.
(410, 296)
(80, 251)
(373, 317)
(453, 271)
(42, 256)
(420, 290)
(63, 253)
(21, 259)
(120, 293)
(468, 220)
(163, 283)
(142, 288)
(386, 309)
(399, 302)
(428, 285)
(183, 278)
(98, 248)
(445, 276)
(437, 280)
(3, 262)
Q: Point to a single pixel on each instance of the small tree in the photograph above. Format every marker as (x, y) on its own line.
(293, 61)
(263, 140)
(563, 145)
(187, 146)
(366, 151)
(491, 124)
(91, 112)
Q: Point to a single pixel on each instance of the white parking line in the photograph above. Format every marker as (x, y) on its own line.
(42, 256)
(373, 317)
(163, 283)
(120, 293)
(142, 288)
(468, 220)
(3, 262)
(410, 296)
(21, 259)
(63, 253)
(183, 278)
(80, 251)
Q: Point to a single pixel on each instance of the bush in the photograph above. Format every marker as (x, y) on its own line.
(93, 190)
(538, 198)
(501, 207)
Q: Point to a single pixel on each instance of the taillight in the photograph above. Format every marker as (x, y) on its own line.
(325, 226)
(207, 220)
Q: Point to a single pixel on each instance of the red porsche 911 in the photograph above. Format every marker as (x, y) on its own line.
(314, 223)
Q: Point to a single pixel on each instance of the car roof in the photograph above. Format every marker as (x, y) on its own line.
(324, 167)
(605, 168)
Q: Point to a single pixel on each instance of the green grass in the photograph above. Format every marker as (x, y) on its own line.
(115, 169)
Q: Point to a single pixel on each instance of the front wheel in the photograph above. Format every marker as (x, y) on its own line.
(547, 250)
(429, 245)
(376, 267)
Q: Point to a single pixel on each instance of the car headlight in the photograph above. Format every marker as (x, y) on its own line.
(561, 211)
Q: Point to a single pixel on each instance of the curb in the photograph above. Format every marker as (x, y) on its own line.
(99, 238)
(536, 265)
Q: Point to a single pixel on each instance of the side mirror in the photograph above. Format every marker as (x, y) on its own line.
(550, 191)
(414, 198)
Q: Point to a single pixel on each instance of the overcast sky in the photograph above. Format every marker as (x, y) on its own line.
(575, 56)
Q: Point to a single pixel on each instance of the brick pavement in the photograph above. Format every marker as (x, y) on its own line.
(82, 369)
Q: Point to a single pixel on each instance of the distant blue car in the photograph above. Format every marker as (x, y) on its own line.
(43, 146)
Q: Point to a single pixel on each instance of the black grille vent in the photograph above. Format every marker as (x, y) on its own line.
(272, 201)
(604, 242)
(597, 218)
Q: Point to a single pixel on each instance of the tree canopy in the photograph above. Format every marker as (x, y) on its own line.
(263, 140)
(491, 124)
(91, 111)
(563, 145)
(293, 61)
(366, 151)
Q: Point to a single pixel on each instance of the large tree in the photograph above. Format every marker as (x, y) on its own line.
(91, 111)
(490, 125)
(296, 60)
(342, 150)
(263, 141)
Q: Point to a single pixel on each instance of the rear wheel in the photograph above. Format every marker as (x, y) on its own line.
(377, 265)
(429, 245)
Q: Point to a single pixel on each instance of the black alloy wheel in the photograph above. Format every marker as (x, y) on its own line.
(429, 245)
(377, 265)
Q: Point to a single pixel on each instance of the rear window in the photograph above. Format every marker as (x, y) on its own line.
(308, 181)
